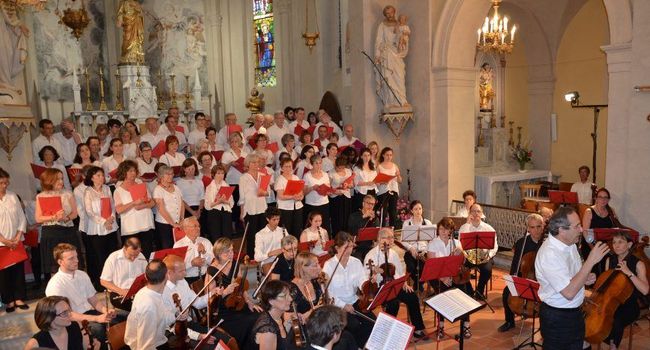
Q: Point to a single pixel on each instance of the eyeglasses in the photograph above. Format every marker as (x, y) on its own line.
(602, 197)
(369, 203)
(65, 313)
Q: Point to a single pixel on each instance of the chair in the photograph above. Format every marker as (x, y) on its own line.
(529, 190)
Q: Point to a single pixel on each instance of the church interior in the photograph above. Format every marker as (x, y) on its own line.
(508, 98)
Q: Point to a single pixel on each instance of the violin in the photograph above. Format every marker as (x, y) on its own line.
(213, 302)
(299, 335)
(323, 282)
(388, 268)
(639, 252)
(368, 289)
(612, 289)
(526, 269)
(235, 300)
(464, 273)
(86, 331)
(180, 327)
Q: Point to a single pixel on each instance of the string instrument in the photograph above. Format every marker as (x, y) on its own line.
(464, 273)
(612, 289)
(323, 282)
(525, 269)
(368, 289)
(180, 326)
(235, 300)
(405, 248)
(108, 324)
(388, 268)
(86, 330)
(639, 252)
(116, 336)
(299, 335)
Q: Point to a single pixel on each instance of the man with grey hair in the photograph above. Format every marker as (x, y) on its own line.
(278, 129)
(199, 249)
(524, 251)
(68, 139)
(562, 279)
(258, 122)
(223, 135)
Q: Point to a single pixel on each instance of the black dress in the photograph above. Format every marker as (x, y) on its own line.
(75, 339)
(284, 268)
(627, 312)
(266, 324)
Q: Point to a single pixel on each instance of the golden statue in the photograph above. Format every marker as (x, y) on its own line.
(255, 102)
(130, 18)
(485, 90)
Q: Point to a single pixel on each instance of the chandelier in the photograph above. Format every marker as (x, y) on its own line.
(495, 35)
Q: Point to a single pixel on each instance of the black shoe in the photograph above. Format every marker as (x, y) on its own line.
(506, 327)
(10, 309)
(23, 306)
(420, 335)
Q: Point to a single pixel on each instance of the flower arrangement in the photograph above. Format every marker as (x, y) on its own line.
(403, 212)
(522, 154)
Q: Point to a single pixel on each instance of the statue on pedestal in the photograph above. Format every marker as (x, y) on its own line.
(485, 89)
(391, 47)
(255, 102)
(13, 50)
(129, 17)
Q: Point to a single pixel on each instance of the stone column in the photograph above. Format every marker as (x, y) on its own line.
(284, 48)
(214, 22)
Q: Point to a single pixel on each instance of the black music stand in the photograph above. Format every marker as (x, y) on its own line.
(526, 289)
(414, 234)
(478, 240)
(462, 318)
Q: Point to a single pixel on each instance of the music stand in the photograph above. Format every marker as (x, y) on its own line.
(418, 233)
(478, 240)
(462, 318)
(607, 234)
(563, 197)
(526, 289)
(387, 292)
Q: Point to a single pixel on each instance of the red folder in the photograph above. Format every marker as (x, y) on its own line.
(358, 145)
(148, 177)
(177, 170)
(526, 288)
(328, 245)
(294, 187)
(138, 191)
(330, 130)
(10, 257)
(206, 181)
(311, 129)
(477, 240)
(367, 234)
(238, 164)
(382, 178)
(159, 149)
(180, 128)
(324, 190)
(322, 259)
(298, 130)
(217, 155)
(161, 254)
(251, 141)
(37, 170)
(388, 291)
(341, 149)
(113, 174)
(264, 182)
(138, 284)
(306, 246)
(106, 210)
(234, 128)
(225, 191)
(50, 205)
(273, 147)
(349, 181)
(178, 234)
(437, 268)
(561, 197)
(73, 173)
(31, 238)
(607, 234)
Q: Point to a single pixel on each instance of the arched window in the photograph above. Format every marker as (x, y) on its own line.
(264, 29)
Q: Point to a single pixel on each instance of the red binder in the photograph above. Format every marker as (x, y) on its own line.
(382, 178)
(234, 128)
(50, 205)
(73, 173)
(368, 234)
(264, 182)
(206, 181)
(138, 191)
(324, 190)
(178, 234)
(180, 128)
(311, 129)
(294, 187)
(37, 170)
(177, 170)
(31, 238)
(225, 191)
(138, 284)
(349, 181)
(217, 155)
(341, 149)
(306, 246)
(273, 147)
(159, 149)
(10, 257)
(298, 130)
(161, 254)
(330, 131)
(113, 174)
(106, 210)
(238, 164)
(148, 177)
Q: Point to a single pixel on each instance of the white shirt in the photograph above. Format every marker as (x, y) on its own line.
(267, 240)
(292, 127)
(249, 132)
(584, 192)
(12, 217)
(130, 150)
(335, 128)
(211, 194)
(186, 295)
(364, 176)
(144, 167)
(275, 133)
(222, 137)
(173, 202)
(41, 141)
(420, 246)
(482, 227)
(195, 136)
(328, 164)
(233, 175)
(176, 160)
(79, 193)
(193, 252)
(378, 258)
(75, 286)
(344, 141)
(555, 265)
(93, 207)
(109, 164)
(281, 185)
(147, 321)
(313, 197)
(153, 140)
(346, 281)
(133, 220)
(337, 180)
(392, 185)
(192, 190)
(121, 271)
(182, 140)
(250, 203)
(440, 249)
(68, 148)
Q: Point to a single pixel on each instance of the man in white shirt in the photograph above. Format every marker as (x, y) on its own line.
(149, 317)
(222, 137)
(171, 123)
(348, 138)
(154, 135)
(46, 138)
(562, 278)
(121, 269)
(199, 249)
(323, 139)
(258, 122)
(475, 224)
(584, 187)
(175, 112)
(326, 119)
(201, 123)
(74, 284)
(278, 129)
(268, 241)
(300, 120)
(68, 139)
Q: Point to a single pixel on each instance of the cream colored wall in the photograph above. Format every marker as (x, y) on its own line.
(516, 103)
(581, 66)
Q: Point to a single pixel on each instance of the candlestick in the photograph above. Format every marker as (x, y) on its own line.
(138, 82)
(188, 102)
(519, 136)
(102, 101)
(173, 93)
(493, 121)
(118, 92)
(89, 103)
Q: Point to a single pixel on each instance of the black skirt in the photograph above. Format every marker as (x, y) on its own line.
(51, 235)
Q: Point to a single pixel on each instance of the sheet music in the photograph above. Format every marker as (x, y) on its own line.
(511, 285)
(453, 303)
(389, 333)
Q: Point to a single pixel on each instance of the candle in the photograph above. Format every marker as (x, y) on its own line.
(505, 24)
(478, 34)
(486, 25)
(512, 34)
(500, 26)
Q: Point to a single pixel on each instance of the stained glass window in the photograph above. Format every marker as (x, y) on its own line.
(264, 28)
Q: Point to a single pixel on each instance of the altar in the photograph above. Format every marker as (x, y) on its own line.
(502, 188)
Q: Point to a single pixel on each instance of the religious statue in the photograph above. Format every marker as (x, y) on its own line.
(255, 102)
(13, 50)
(130, 18)
(485, 90)
(391, 47)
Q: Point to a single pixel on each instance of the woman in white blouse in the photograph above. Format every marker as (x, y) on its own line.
(291, 207)
(170, 208)
(202, 147)
(13, 226)
(261, 143)
(252, 201)
(234, 154)
(218, 208)
(57, 225)
(304, 165)
(364, 174)
(329, 160)
(314, 232)
(172, 157)
(341, 200)
(389, 192)
(147, 165)
(289, 146)
(415, 250)
(81, 159)
(192, 190)
(101, 227)
(314, 200)
(48, 156)
(129, 145)
(133, 129)
(136, 216)
(113, 158)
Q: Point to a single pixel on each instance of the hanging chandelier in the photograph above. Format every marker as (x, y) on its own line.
(495, 36)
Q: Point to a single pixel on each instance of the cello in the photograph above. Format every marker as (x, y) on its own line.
(525, 269)
(368, 289)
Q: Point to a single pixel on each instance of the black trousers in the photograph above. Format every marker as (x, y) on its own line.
(293, 221)
(255, 224)
(508, 314)
(624, 316)
(164, 238)
(98, 250)
(340, 207)
(35, 261)
(218, 223)
(390, 201)
(325, 213)
(146, 239)
(485, 273)
(562, 329)
(12, 283)
(412, 306)
(414, 267)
